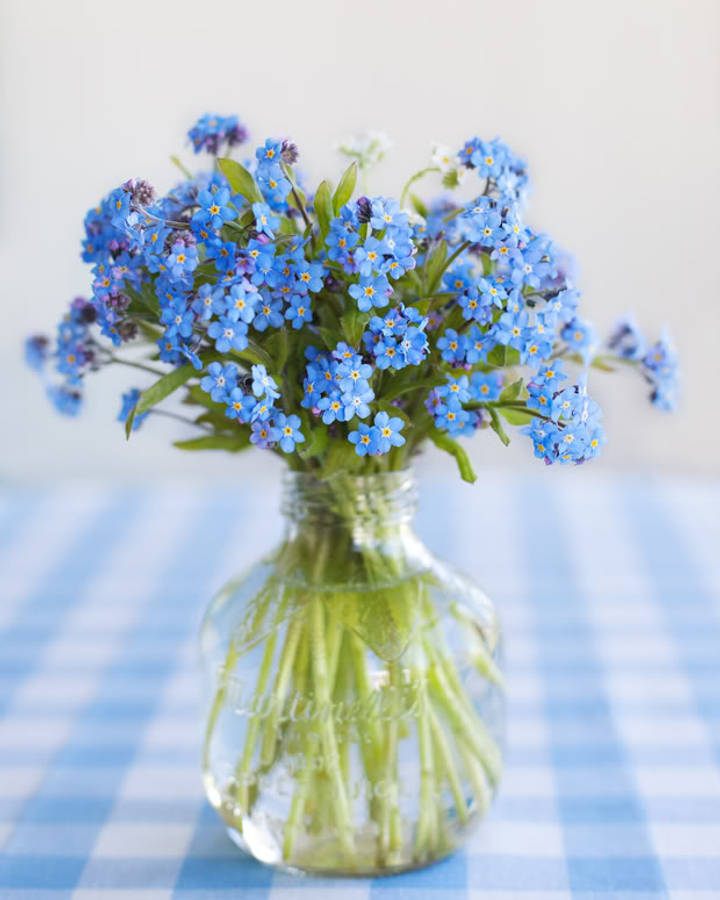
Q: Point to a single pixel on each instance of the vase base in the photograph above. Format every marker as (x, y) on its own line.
(255, 844)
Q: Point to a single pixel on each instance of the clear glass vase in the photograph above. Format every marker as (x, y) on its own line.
(354, 694)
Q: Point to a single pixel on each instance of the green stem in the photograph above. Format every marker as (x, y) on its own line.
(218, 701)
(136, 365)
(426, 834)
(411, 181)
(242, 772)
(446, 764)
(451, 259)
(327, 728)
(279, 693)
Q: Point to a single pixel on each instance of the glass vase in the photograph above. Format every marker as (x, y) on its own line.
(354, 693)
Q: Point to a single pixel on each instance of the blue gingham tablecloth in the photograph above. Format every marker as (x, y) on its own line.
(610, 593)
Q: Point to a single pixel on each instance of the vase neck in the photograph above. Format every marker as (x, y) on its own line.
(350, 530)
(366, 503)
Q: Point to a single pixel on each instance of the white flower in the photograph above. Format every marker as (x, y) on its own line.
(368, 148)
(443, 157)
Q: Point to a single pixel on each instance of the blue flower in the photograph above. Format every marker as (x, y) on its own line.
(452, 346)
(551, 375)
(580, 336)
(386, 213)
(239, 405)
(457, 388)
(66, 400)
(357, 403)
(342, 238)
(451, 417)
(36, 352)
(229, 333)
(268, 313)
(178, 318)
(532, 264)
(288, 430)
(473, 306)
(564, 304)
(242, 299)
(224, 254)
(509, 329)
(626, 339)
(299, 311)
(660, 365)
(129, 402)
(540, 397)
(370, 291)
(486, 387)
(364, 439)
(354, 375)
(210, 132)
(208, 301)
(215, 209)
(273, 184)
(270, 152)
(263, 434)
(263, 384)
(388, 432)
(309, 275)
(265, 221)
(332, 409)
(220, 380)
(183, 259)
(370, 257)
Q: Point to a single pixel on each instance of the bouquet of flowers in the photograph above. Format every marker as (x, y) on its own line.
(343, 332)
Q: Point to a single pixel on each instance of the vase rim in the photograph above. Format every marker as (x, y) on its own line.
(382, 496)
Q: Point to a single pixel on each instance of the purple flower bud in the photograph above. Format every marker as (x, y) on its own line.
(237, 135)
(88, 314)
(334, 284)
(364, 209)
(179, 236)
(127, 330)
(289, 152)
(143, 194)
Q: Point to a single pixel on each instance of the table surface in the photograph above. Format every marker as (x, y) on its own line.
(609, 589)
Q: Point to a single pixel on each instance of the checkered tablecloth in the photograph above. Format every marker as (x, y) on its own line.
(610, 593)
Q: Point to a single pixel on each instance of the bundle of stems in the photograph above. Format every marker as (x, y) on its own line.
(359, 697)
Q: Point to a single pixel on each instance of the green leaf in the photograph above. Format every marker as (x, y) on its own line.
(419, 206)
(511, 392)
(329, 337)
(434, 266)
(450, 179)
(496, 357)
(215, 442)
(277, 348)
(443, 442)
(129, 423)
(316, 443)
(255, 354)
(175, 161)
(323, 207)
(516, 416)
(353, 324)
(399, 385)
(496, 426)
(345, 188)
(164, 387)
(341, 457)
(241, 181)
(145, 300)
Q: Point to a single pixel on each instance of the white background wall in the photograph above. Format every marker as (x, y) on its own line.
(614, 103)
